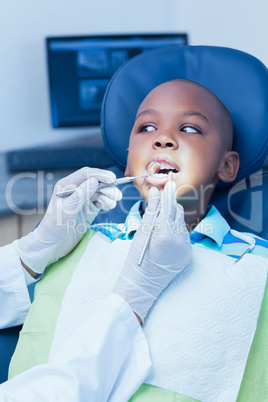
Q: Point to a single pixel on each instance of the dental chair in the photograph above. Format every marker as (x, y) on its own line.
(244, 203)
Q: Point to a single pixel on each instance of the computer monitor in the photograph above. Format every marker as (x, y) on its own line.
(80, 68)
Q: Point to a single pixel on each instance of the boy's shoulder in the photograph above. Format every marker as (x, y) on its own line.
(122, 231)
(215, 233)
(111, 230)
(255, 244)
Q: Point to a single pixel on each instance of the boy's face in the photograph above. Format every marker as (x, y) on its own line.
(182, 127)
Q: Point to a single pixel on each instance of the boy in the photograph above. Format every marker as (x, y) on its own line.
(188, 131)
(191, 136)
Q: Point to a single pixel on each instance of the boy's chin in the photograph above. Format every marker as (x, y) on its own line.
(145, 191)
(157, 181)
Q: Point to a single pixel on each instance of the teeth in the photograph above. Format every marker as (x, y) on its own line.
(164, 165)
(160, 169)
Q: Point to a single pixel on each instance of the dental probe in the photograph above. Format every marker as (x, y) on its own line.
(152, 227)
(123, 180)
(150, 233)
(150, 171)
(117, 182)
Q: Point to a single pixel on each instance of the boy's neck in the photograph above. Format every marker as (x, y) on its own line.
(193, 215)
(192, 221)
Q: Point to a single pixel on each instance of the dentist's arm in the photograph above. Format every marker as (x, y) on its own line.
(63, 226)
(14, 295)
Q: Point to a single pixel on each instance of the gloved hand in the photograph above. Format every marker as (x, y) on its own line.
(168, 252)
(67, 218)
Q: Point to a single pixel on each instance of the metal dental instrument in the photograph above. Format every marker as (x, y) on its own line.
(123, 180)
(150, 171)
(150, 233)
(152, 226)
(117, 182)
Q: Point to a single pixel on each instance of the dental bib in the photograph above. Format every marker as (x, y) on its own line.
(200, 329)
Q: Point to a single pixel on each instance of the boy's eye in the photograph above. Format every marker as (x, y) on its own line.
(146, 128)
(190, 129)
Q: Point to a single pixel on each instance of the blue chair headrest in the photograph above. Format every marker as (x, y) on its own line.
(238, 79)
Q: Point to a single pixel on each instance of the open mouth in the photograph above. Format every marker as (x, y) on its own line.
(161, 172)
(163, 169)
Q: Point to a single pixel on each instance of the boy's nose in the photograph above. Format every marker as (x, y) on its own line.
(165, 141)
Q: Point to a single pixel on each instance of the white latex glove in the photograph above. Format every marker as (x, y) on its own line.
(67, 218)
(168, 252)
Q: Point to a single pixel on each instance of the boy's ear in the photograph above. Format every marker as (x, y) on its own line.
(127, 168)
(229, 167)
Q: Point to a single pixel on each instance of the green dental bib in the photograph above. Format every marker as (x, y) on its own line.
(37, 335)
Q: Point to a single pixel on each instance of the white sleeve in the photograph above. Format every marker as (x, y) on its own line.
(106, 359)
(14, 296)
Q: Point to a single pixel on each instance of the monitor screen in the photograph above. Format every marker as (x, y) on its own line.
(80, 68)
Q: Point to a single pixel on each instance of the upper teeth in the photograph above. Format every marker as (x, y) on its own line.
(165, 165)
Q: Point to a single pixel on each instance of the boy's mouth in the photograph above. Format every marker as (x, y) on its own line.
(162, 171)
(165, 168)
